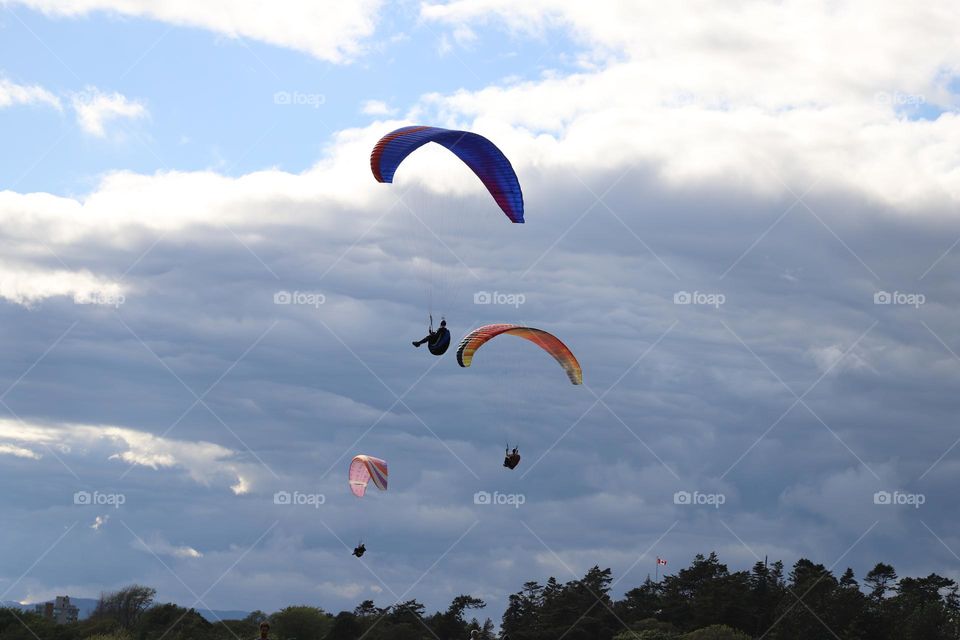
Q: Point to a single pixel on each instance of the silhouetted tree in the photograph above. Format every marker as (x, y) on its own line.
(345, 627)
(126, 605)
(704, 601)
(924, 608)
(522, 619)
(300, 622)
(450, 625)
(640, 603)
(706, 593)
(171, 622)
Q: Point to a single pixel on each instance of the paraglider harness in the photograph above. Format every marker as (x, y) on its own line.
(360, 550)
(511, 460)
(439, 340)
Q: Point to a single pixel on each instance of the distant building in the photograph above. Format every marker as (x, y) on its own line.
(60, 610)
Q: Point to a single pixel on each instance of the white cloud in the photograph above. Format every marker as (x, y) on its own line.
(751, 98)
(204, 462)
(7, 449)
(26, 285)
(124, 203)
(158, 546)
(351, 590)
(751, 43)
(241, 487)
(443, 45)
(14, 94)
(744, 131)
(462, 36)
(377, 108)
(95, 109)
(326, 29)
(834, 358)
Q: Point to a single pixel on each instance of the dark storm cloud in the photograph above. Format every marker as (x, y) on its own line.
(687, 402)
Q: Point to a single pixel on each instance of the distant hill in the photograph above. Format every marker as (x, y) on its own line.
(215, 615)
(88, 605)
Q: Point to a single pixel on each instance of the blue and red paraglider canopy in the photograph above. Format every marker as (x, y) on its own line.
(482, 156)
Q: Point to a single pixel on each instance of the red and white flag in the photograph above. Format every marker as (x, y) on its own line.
(661, 562)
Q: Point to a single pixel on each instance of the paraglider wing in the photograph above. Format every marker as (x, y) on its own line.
(482, 156)
(363, 470)
(546, 341)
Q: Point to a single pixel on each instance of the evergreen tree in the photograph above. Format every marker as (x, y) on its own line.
(346, 626)
(640, 603)
(523, 618)
(707, 593)
(921, 609)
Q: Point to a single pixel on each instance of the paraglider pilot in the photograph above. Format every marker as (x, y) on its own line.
(360, 550)
(437, 341)
(511, 459)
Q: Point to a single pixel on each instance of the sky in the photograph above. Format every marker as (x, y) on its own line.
(740, 216)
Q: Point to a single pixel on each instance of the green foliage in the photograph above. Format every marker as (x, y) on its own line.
(705, 601)
(706, 593)
(300, 622)
(649, 629)
(233, 629)
(126, 605)
(650, 634)
(346, 626)
(17, 625)
(715, 632)
(170, 622)
(578, 610)
(254, 618)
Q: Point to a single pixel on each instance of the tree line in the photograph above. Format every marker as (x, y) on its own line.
(704, 601)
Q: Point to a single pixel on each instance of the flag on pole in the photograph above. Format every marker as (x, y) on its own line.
(660, 563)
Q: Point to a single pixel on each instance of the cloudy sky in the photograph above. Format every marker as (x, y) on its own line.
(741, 216)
